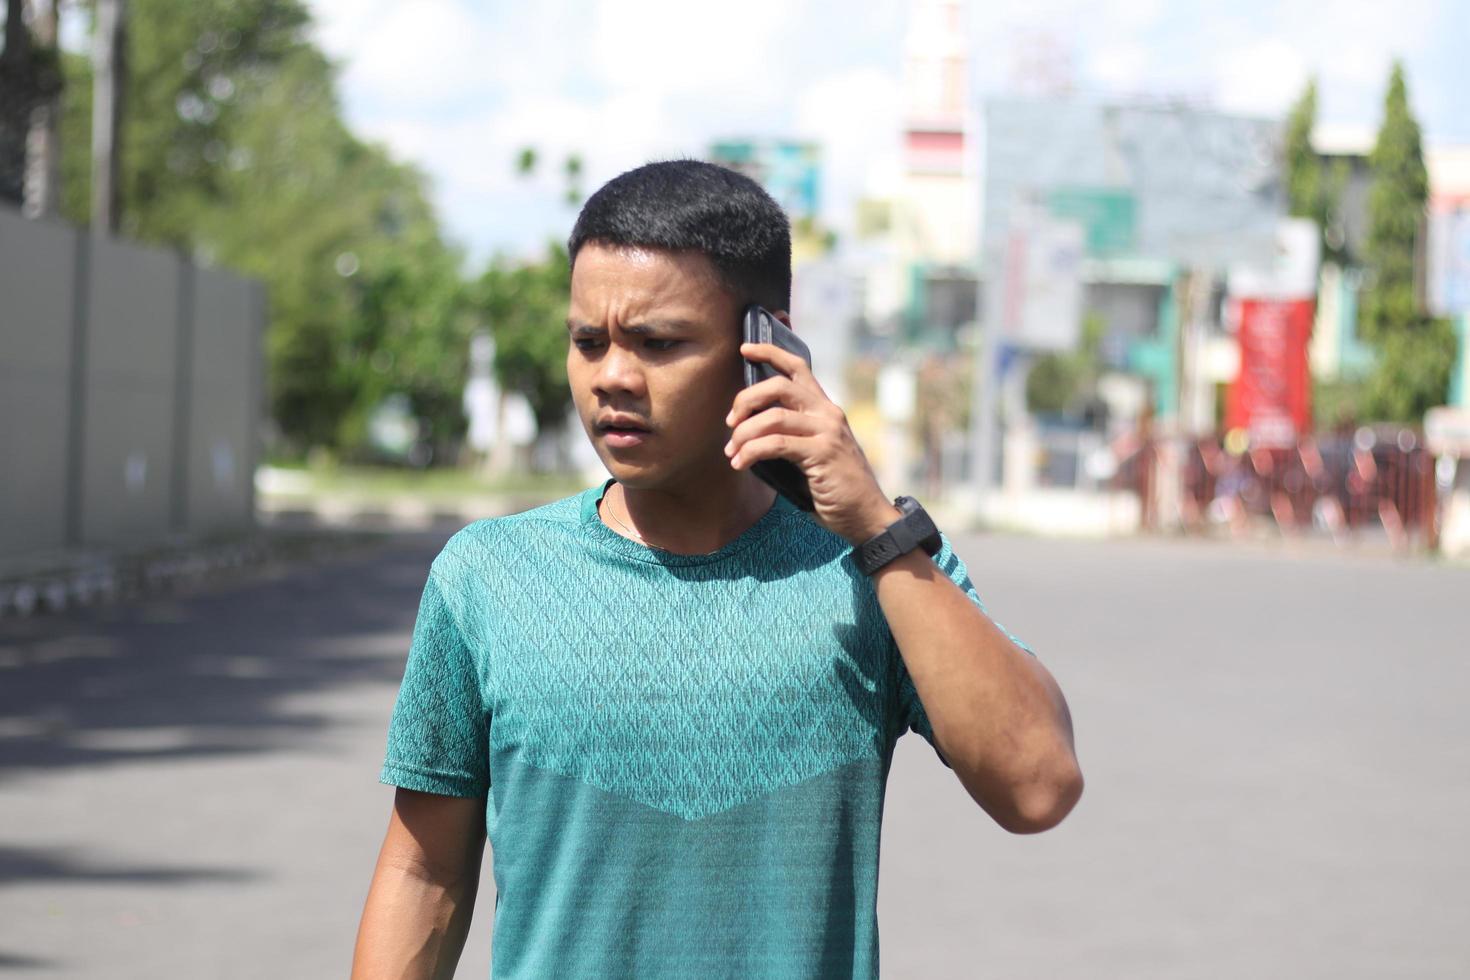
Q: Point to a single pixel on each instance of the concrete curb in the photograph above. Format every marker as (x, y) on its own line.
(57, 582)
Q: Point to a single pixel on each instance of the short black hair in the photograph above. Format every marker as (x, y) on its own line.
(691, 205)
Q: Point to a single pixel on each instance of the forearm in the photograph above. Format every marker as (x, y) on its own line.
(998, 716)
(413, 926)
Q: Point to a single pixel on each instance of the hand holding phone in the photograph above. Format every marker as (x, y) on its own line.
(760, 327)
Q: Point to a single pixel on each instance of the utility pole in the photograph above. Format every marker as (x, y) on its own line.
(43, 143)
(110, 74)
(985, 378)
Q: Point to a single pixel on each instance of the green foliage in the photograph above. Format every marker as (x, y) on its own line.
(1396, 201)
(1060, 382)
(525, 306)
(1337, 402)
(1415, 352)
(1413, 372)
(234, 150)
(1303, 166)
(526, 161)
(1054, 383)
(1313, 189)
(76, 137)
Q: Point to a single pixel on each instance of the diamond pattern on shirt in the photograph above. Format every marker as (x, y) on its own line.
(691, 686)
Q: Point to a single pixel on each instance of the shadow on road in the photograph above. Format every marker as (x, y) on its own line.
(19, 866)
(208, 673)
(14, 961)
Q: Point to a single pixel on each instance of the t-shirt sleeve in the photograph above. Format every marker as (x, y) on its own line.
(437, 738)
(913, 714)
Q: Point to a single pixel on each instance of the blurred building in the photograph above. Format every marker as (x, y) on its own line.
(1167, 197)
(1447, 266)
(937, 204)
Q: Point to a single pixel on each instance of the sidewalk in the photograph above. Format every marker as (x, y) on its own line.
(55, 581)
(293, 524)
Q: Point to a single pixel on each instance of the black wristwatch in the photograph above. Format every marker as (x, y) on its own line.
(913, 530)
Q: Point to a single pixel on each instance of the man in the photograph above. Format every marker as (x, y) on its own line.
(673, 699)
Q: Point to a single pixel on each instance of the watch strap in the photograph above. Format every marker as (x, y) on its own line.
(915, 529)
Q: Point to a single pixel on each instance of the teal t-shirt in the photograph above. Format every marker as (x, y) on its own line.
(683, 757)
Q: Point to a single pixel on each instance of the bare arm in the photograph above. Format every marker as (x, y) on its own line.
(998, 716)
(423, 890)
(997, 713)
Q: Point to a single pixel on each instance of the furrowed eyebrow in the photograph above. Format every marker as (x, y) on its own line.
(637, 329)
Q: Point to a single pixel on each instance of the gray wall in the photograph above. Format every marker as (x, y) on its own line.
(36, 306)
(130, 392)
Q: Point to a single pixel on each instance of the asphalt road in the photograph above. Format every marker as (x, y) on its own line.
(1276, 746)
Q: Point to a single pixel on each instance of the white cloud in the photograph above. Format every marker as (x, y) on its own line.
(459, 86)
(1260, 78)
(693, 48)
(856, 116)
(1121, 67)
(414, 56)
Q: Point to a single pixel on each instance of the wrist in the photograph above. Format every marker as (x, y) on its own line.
(874, 522)
(911, 529)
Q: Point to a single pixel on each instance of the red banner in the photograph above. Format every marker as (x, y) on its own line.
(1272, 396)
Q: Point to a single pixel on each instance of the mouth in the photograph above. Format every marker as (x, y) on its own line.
(623, 432)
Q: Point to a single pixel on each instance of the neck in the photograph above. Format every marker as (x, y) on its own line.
(690, 521)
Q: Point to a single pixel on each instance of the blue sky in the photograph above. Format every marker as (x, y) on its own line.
(457, 87)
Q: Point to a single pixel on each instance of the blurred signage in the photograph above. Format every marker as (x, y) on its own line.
(1206, 188)
(935, 151)
(1449, 259)
(789, 171)
(1271, 396)
(1290, 273)
(1107, 215)
(1042, 281)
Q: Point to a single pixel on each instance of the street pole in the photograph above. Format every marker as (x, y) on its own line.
(982, 388)
(110, 73)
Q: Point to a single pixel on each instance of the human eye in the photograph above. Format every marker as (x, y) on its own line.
(658, 344)
(586, 343)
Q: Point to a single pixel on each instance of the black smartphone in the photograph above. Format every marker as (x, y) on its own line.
(760, 327)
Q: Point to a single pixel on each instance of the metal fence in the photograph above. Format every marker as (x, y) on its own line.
(1342, 484)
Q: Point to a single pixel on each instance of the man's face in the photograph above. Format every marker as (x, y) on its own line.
(654, 363)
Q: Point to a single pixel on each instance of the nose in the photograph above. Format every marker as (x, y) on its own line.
(619, 372)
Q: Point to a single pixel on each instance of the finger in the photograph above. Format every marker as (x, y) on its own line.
(772, 421)
(772, 391)
(792, 365)
(789, 364)
(778, 445)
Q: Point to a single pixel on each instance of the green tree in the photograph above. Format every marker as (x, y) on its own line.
(1415, 352)
(525, 306)
(234, 150)
(1313, 188)
(1060, 383)
(1303, 165)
